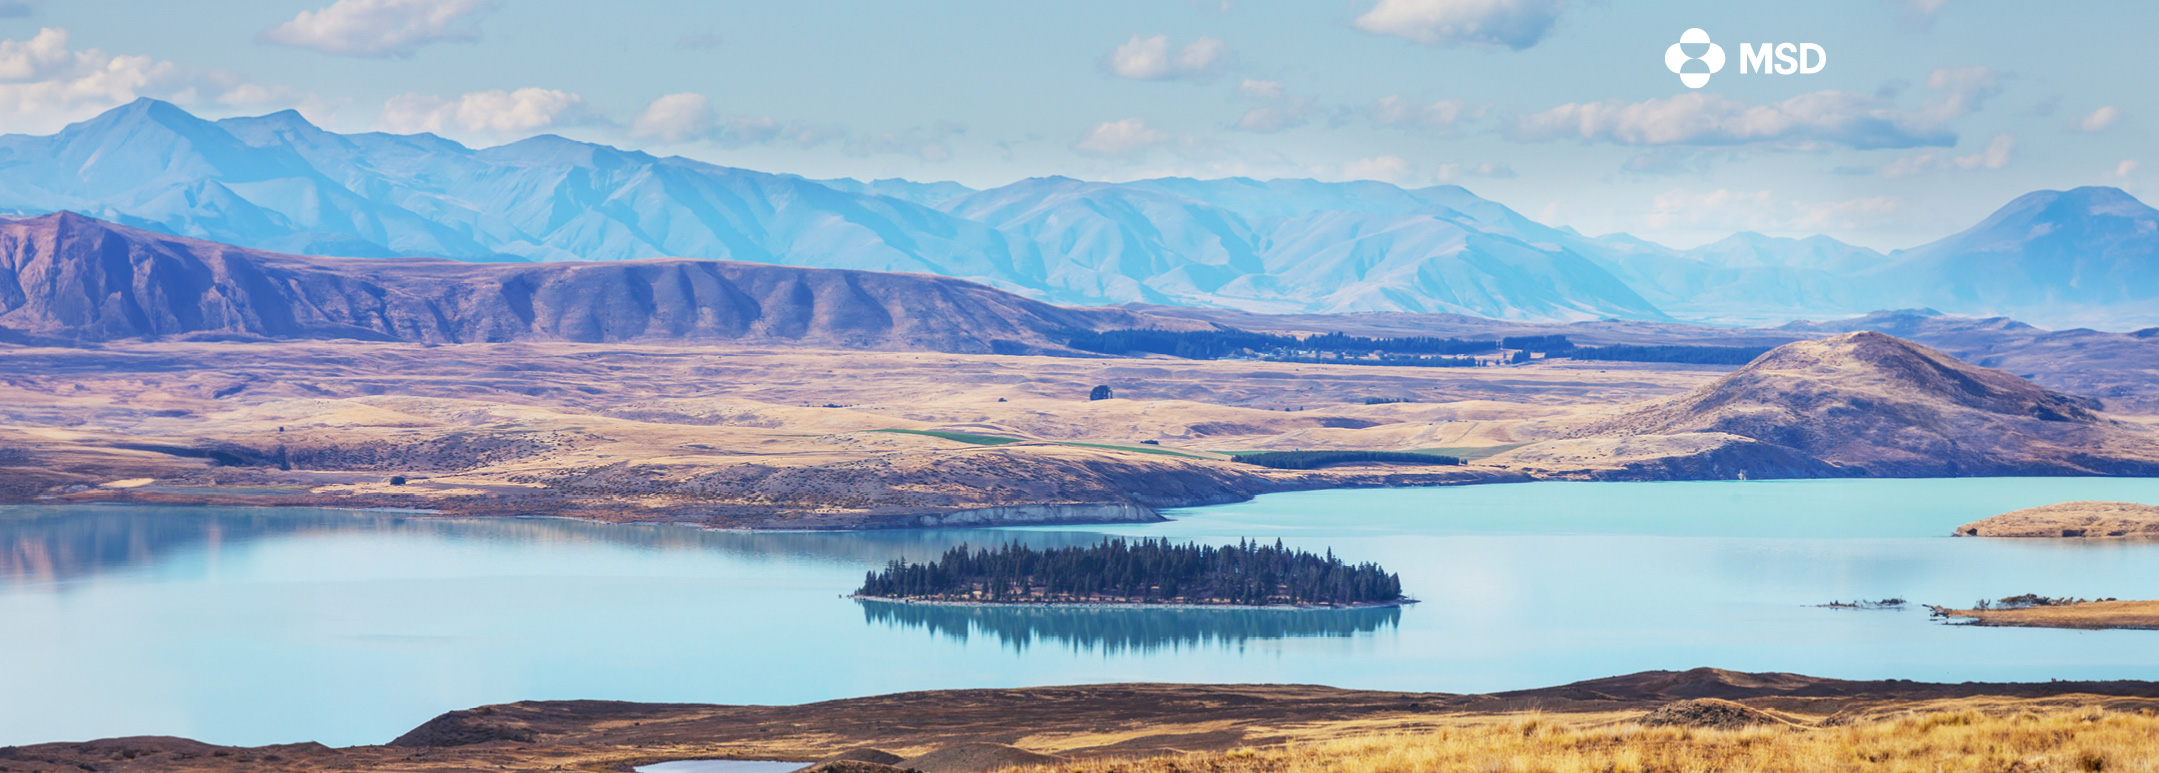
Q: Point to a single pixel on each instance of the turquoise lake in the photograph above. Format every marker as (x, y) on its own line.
(254, 626)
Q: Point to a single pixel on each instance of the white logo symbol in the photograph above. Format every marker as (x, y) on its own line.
(1694, 68)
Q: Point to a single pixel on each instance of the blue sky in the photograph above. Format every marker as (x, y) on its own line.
(1928, 115)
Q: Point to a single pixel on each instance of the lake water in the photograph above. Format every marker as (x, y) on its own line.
(261, 626)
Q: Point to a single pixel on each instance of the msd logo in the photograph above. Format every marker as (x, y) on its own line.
(1695, 58)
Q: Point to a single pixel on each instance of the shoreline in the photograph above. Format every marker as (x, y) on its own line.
(911, 521)
(2080, 616)
(1403, 602)
(987, 516)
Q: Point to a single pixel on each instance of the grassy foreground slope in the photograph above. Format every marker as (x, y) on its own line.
(1702, 719)
(1965, 740)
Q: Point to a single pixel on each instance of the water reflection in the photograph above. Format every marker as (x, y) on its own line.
(1116, 630)
(44, 545)
(54, 544)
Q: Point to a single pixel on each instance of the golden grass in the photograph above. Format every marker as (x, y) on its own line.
(2088, 615)
(2073, 740)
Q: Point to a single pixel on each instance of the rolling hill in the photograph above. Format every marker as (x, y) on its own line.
(1867, 404)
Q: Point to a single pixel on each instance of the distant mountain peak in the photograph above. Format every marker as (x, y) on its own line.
(144, 111)
(555, 148)
(1751, 238)
(283, 119)
(2089, 200)
(2097, 193)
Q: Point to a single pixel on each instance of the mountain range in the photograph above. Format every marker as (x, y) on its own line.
(74, 280)
(2088, 256)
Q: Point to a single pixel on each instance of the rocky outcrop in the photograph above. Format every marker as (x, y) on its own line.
(1709, 713)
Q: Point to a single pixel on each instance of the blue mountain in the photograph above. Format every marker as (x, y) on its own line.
(2086, 256)
(278, 183)
(1304, 246)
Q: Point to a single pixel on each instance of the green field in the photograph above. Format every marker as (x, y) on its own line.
(1135, 449)
(963, 437)
(1313, 460)
(998, 440)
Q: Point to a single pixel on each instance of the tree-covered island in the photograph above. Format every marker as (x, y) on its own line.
(1147, 571)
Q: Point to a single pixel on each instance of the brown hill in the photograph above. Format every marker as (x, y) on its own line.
(2090, 520)
(1870, 404)
(66, 278)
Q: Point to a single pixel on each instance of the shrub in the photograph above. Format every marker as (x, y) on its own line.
(1312, 460)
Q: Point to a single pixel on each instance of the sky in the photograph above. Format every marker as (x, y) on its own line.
(1925, 116)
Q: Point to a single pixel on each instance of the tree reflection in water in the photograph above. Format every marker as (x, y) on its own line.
(1115, 630)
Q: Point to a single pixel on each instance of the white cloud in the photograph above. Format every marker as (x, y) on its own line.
(926, 144)
(1126, 139)
(1393, 168)
(44, 84)
(496, 112)
(1260, 89)
(1442, 118)
(756, 130)
(1289, 114)
(674, 118)
(689, 117)
(1448, 173)
(1994, 156)
(1728, 210)
(2125, 168)
(380, 28)
(1963, 90)
(1388, 168)
(2101, 119)
(256, 98)
(1515, 24)
(1672, 159)
(1807, 121)
(1281, 112)
(1150, 59)
(1202, 57)
(1918, 15)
